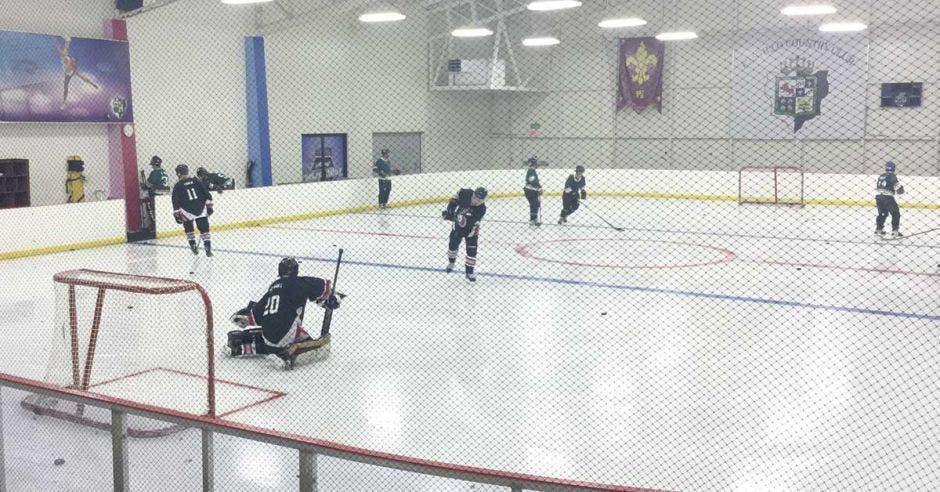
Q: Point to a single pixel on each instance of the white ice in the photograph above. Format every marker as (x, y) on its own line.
(710, 346)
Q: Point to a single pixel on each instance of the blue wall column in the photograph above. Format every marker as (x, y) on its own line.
(256, 99)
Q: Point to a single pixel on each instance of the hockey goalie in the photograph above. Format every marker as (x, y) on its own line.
(273, 324)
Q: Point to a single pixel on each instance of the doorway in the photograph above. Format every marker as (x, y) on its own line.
(323, 156)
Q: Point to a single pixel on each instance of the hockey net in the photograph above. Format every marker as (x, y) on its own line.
(771, 185)
(143, 339)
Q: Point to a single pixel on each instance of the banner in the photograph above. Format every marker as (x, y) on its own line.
(54, 78)
(805, 86)
(640, 73)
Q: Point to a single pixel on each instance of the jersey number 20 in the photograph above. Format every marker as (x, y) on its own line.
(273, 303)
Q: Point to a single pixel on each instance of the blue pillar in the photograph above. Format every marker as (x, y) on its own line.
(256, 98)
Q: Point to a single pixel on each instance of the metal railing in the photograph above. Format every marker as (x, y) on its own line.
(307, 447)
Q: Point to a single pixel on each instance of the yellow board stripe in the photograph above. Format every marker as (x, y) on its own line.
(440, 199)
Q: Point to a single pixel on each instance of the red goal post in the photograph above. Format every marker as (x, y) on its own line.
(140, 338)
(771, 185)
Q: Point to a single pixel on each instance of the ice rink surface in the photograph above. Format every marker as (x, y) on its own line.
(707, 347)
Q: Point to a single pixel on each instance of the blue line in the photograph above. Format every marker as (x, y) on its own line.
(583, 283)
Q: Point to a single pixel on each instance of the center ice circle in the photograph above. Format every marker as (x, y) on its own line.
(625, 253)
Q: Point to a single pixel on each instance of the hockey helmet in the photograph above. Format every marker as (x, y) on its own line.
(890, 166)
(385, 152)
(533, 161)
(288, 267)
(201, 172)
(480, 193)
(182, 170)
(579, 169)
(155, 161)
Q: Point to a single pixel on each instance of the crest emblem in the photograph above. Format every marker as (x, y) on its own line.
(798, 92)
(641, 62)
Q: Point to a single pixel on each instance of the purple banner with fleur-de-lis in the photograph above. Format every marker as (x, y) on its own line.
(640, 68)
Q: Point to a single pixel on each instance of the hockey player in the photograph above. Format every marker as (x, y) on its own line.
(533, 191)
(273, 325)
(574, 187)
(214, 181)
(466, 210)
(383, 169)
(887, 187)
(157, 182)
(192, 203)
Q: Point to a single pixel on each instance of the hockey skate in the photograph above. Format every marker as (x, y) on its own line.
(562, 220)
(472, 277)
(194, 248)
(880, 232)
(208, 249)
(896, 235)
(450, 267)
(534, 222)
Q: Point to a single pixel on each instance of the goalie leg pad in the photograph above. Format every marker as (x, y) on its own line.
(245, 342)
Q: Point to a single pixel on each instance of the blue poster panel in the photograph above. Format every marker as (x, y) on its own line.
(60, 79)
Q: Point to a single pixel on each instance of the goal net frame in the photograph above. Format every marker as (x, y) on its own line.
(81, 377)
(774, 172)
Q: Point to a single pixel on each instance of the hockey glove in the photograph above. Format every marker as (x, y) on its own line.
(178, 215)
(899, 190)
(583, 195)
(209, 210)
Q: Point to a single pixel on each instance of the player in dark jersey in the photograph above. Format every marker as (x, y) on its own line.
(383, 169)
(274, 323)
(533, 191)
(887, 187)
(215, 181)
(466, 210)
(574, 188)
(192, 202)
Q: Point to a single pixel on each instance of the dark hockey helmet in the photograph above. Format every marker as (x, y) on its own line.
(155, 161)
(579, 169)
(385, 152)
(480, 193)
(182, 170)
(201, 172)
(533, 161)
(890, 166)
(288, 267)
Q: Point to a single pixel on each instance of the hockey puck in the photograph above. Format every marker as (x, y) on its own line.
(130, 307)
(604, 313)
(58, 462)
(798, 268)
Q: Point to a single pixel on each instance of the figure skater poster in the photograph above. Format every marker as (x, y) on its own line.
(61, 79)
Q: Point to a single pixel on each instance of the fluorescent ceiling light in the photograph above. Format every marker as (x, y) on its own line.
(471, 32)
(843, 27)
(621, 22)
(809, 9)
(540, 41)
(244, 2)
(382, 16)
(546, 5)
(676, 36)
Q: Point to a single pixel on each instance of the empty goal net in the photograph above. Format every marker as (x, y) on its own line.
(771, 185)
(143, 339)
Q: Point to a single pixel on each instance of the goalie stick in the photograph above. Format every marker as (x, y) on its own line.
(289, 356)
(618, 229)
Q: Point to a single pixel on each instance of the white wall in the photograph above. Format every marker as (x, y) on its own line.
(188, 76)
(336, 75)
(47, 145)
(579, 124)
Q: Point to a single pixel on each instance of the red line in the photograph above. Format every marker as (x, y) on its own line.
(274, 396)
(727, 255)
(857, 269)
(297, 439)
(232, 383)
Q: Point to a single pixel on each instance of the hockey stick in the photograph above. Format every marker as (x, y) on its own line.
(912, 235)
(328, 315)
(618, 229)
